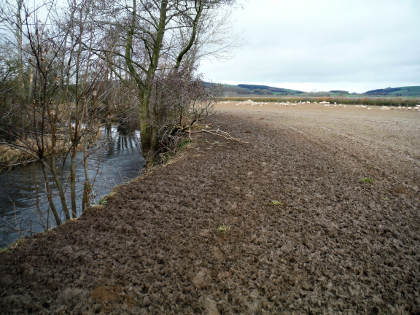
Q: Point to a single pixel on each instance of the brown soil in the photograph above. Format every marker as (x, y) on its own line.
(283, 224)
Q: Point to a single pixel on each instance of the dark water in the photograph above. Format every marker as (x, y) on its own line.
(116, 159)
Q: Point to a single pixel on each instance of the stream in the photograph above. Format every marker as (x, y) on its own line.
(117, 160)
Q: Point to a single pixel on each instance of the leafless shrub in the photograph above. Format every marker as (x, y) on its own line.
(178, 101)
(59, 110)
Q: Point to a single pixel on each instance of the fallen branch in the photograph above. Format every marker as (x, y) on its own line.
(22, 163)
(219, 133)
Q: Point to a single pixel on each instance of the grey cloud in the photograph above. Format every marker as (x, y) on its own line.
(374, 41)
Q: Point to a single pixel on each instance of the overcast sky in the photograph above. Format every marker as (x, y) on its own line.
(314, 45)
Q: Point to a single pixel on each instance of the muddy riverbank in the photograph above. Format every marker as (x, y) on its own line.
(116, 159)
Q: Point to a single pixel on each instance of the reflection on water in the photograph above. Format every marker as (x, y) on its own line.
(116, 159)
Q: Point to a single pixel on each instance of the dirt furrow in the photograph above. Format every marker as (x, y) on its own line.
(278, 225)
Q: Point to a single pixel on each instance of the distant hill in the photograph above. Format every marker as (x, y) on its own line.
(399, 91)
(264, 89)
(339, 92)
(228, 90)
(252, 90)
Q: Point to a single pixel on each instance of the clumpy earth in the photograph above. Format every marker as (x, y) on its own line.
(314, 210)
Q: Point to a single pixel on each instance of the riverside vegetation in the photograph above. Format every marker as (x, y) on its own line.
(69, 68)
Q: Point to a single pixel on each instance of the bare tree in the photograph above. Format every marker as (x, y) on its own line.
(156, 38)
(62, 113)
(94, 62)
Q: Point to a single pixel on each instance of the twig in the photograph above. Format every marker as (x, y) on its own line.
(220, 133)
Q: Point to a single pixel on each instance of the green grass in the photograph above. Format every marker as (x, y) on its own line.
(103, 201)
(183, 144)
(367, 180)
(223, 228)
(276, 203)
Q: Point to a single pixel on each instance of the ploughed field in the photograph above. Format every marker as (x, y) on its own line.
(315, 209)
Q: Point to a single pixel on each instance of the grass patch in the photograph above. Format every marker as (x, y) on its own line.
(223, 228)
(103, 201)
(183, 144)
(172, 150)
(277, 203)
(367, 180)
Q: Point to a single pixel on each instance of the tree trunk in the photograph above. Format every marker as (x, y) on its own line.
(145, 124)
(73, 182)
(148, 131)
(49, 196)
(87, 185)
(19, 26)
(59, 187)
(148, 125)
